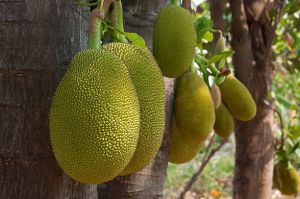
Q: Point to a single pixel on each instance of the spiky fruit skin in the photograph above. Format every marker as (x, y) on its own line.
(149, 84)
(237, 99)
(193, 107)
(181, 150)
(174, 40)
(216, 95)
(224, 123)
(94, 118)
(286, 179)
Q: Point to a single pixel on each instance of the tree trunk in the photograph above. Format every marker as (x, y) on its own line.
(139, 17)
(37, 40)
(252, 36)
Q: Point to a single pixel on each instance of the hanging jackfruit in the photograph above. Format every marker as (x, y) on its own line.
(193, 107)
(95, 118)
(237, 99)
(224, 124)
(286, 178)
(149, 84)
(174, 40)
(182, 150)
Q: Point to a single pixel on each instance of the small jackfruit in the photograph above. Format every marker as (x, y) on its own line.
(193, 106)
(224, 124)
(94, 118)
(286, 178)
(237, 99)
(182, 150)
(216, 95)
(220, 45)
(174, 40)
(149, 84)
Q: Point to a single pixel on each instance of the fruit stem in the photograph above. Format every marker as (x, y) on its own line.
(95, 31)
(95, 27)
(117, 20)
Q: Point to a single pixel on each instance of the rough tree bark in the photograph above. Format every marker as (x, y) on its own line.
(139, 17)
(252, 36)
(37, 40)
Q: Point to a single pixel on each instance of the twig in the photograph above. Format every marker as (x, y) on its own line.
(281, 123)
(200, 169)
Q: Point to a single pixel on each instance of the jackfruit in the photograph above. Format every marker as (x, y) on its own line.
(216, 95)
(149, 85)
(174, 40)
(224, 124)
(237, 99)
(94, 118)
(193, 107)
(220, 45)
(182, 150)
(286, 178)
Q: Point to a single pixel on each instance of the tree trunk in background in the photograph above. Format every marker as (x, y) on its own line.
(37, 40)
(252, 37)
(139, 17)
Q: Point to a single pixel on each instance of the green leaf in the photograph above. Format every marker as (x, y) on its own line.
(294, 131)
(295, 147)
(223, 55)
(208, 37)
(202, 25)
(135, 39)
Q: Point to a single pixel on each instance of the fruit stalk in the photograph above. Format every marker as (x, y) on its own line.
(95, 26)
(117, 19)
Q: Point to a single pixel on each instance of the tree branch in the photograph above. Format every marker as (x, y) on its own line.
(200, 169)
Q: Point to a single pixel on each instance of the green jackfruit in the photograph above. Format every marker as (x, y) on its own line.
(182, 150)
(174, 40)
(220, 45)
(94, 118)
(149, 85)
(193, 106)
(237, 99)
(216, 95)
(286, 178)
(224, 124)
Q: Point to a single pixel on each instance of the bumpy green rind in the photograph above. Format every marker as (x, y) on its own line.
(194, 107)
(94, 118)
(182, 150)
(149, 85)
(174, 40)
(286, 179)
(237, 99)
(224, 124)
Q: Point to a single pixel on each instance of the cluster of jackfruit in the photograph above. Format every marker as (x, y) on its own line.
(286, 178)
(107, 114)
(198, 110)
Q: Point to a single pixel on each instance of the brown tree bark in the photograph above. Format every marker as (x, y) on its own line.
(252, 36)
(37, 40)
(139, 17)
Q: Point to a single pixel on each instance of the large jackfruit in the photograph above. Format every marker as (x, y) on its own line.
(182, 150)
(174, 40)
(95, 118)
(194, 107)
(286, 178)
(149, 85)
(224, 124)
(237, 99)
